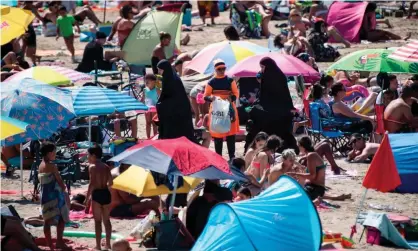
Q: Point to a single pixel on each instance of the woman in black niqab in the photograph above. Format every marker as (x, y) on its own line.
(173, 106)
(272, 112)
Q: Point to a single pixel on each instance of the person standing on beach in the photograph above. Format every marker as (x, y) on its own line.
(65, 25)
(206, 7)
(98, 195)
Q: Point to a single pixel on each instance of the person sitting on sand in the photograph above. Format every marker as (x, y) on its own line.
(362, 150)
(98, 194)
(231, 34)
(158, 53)
(123, 25)
(257, 144)
(124, 204)
(263, 158)
(288, 159)
(243, 193)
(16, 236)
(368, 29)
(54, 199)
(93, 56)
(398, 116)
(10, 155)
(390, 85)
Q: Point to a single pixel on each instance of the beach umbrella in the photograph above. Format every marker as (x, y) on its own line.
(407, 53)
(52, 75)
(177, 157)
(290, 65)
(10, 127)
(140, 182)
(45, 108)
(373, 60)
(92, 101)
(231, 52)
(14, 22)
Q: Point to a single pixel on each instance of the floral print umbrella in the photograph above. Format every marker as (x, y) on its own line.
(44, 107)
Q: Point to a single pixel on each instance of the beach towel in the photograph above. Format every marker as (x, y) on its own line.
(347, 17)
(53, 204)
(387, 230)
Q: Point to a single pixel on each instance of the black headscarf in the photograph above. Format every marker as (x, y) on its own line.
(173, 106)
(274, 94)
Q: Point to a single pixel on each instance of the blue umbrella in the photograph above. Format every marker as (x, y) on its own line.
(92, 100)
(44, 107)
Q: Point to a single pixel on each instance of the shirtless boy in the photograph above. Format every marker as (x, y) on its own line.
(100, 181)
(398, 117)
(361, 149)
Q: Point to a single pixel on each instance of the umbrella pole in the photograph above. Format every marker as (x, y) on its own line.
(21, 170)
(353, 228)
(90, 131)
(104, 12)
(173, 198)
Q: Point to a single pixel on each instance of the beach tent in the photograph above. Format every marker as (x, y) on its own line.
(395, 165)
(280, 218)
(145, 36)
(347, 17)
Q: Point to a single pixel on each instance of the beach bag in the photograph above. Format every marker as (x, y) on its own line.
(220, 119)
(172, 235)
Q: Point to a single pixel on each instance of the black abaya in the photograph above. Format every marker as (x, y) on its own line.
(173, 106)
(272, 111)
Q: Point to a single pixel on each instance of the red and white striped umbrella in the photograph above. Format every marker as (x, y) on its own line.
(53, 75)
(407, 53)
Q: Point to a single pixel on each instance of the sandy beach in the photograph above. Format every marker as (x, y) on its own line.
(338, 219)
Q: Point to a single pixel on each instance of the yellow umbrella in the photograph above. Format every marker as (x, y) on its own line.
(10, 127)
(14, 22)
(136, 180)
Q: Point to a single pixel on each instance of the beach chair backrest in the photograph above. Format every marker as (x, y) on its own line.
(307, 111)
(314, 116)
(380, 127)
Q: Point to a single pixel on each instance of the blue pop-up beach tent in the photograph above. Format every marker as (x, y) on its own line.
(280, 218)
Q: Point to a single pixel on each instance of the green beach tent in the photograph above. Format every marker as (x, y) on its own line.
(145, 36)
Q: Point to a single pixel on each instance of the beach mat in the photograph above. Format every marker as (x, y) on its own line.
(54, 53)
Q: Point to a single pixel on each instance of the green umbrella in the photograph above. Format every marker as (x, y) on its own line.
(375, 60)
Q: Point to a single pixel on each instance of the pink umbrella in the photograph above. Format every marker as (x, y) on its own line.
(290, 65)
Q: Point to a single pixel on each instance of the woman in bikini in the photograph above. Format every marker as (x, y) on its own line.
(264, 158)
(258, 142)
(123, 25)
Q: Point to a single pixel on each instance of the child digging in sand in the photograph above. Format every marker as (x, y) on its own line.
(100, 181)
(65, 25)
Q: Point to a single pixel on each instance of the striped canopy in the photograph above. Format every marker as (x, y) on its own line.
(92, 100)
(407, 53)
(52, 75)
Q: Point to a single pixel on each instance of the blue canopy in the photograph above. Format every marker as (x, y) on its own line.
(405, 152)
(44, 107)
(280, 218)
(92, 100)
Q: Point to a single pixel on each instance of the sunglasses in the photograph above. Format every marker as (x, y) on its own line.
(221, 69)
(295, 15)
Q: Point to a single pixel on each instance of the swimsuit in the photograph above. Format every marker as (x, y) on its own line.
(314, 191)
(101, 196)
(151, 96)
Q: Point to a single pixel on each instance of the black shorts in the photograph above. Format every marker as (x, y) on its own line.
(101, 196)
(31, 38)
(124, 210)
(314, 191)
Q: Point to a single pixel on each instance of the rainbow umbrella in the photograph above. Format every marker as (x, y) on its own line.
(10, 127)
(52, 75)
(14, 22)
(290, 65)
(231, 52)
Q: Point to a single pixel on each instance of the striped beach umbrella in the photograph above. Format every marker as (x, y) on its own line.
(231, 52)
(52, 75)
(407, 53)
(92, 100)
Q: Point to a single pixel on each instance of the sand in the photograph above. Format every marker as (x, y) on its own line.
(336, 220)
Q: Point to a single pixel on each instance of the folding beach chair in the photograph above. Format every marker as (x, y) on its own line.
(328, 129)
(68, 165)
